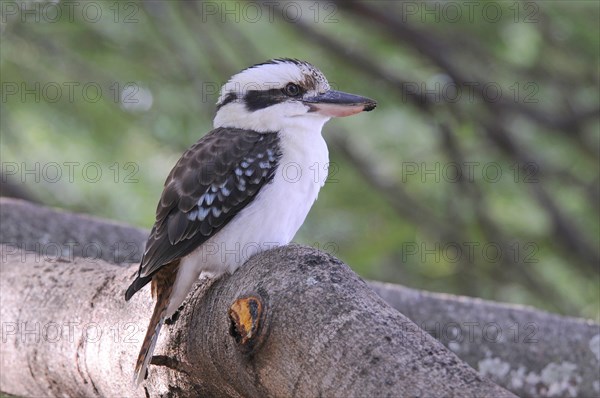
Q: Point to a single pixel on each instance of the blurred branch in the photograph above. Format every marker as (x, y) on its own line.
(11, 189)
(437, 49)
(433, 48)
(507, 270)
(573, 239)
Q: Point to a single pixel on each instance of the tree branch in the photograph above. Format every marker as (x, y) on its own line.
(66, 329)
(528, 351)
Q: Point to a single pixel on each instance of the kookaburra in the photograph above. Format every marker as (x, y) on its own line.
(244, 187)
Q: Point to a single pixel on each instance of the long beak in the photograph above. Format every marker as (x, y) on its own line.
(337, 104)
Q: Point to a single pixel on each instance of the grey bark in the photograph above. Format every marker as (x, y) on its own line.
(327, 332)
(52, 232)
(530, 352)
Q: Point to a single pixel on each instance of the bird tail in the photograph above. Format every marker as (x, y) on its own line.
(148, 346)
(162, 287)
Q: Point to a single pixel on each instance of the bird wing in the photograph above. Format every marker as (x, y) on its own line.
(214, 179)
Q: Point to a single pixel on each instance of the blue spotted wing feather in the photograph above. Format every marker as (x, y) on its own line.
(214, 179)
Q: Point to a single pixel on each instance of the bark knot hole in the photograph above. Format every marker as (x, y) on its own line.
(247, 315)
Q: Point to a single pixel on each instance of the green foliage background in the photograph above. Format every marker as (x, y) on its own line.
(125, 87)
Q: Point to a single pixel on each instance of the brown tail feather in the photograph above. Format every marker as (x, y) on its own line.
(162, 286)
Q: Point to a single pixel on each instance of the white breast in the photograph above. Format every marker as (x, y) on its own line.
(271, 219)
(281, 207)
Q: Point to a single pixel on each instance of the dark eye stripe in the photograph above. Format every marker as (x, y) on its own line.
(260, 99)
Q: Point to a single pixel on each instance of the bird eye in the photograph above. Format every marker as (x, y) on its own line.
(292, 90)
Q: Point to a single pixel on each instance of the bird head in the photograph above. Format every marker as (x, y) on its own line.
(281, 94)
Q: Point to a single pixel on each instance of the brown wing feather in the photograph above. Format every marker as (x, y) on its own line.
(209, 185)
